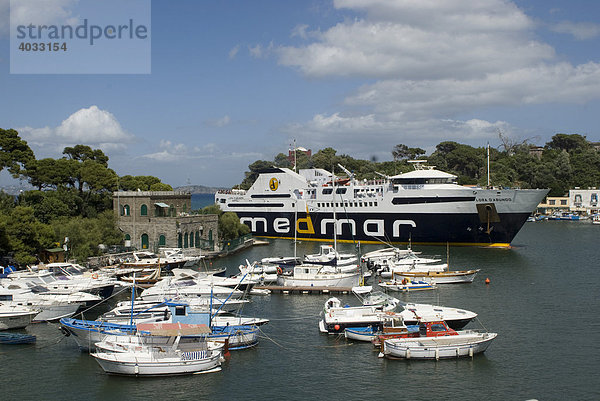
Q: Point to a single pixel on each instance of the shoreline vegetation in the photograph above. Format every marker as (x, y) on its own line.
(71, 197)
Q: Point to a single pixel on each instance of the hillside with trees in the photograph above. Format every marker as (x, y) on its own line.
(72, 198)
(565, 162)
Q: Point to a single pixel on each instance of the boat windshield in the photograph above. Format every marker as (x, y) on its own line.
(38, 289)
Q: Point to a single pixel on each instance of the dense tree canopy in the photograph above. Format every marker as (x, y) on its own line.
(14, 152)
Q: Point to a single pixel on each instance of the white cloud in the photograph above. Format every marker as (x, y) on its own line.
(260, 51)
(234, 51)
(177, 153)
(429, 64)
(300, 31)
(37, 12)
(580, 30)
(221, 122)
(91, 126)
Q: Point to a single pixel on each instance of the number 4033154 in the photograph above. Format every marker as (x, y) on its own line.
(42, 47)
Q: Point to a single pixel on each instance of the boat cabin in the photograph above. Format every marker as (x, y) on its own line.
(435, 328)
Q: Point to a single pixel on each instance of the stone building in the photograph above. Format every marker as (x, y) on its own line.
(153, 219)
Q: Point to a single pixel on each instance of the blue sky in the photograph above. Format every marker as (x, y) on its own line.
(236, 81)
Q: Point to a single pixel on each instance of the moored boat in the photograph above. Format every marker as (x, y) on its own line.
(171, 357)
(443, 343)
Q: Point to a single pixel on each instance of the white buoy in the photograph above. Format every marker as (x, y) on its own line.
(407, 353)
(471, 352)
(437, 354)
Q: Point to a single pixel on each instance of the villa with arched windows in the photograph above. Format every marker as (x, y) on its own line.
(154, 219)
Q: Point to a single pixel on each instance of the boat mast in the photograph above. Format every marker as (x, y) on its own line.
(488, 164)
(334, 217)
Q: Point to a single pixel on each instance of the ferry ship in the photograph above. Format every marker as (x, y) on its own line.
(424, 206)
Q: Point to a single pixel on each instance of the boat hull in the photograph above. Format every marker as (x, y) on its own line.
(16, 320)
(147, 365)
(400, 228)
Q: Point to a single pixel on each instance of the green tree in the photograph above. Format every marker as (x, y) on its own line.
(403, 152)
(82, 153)
(7, 202)
(85, 234)
(26, 236)
(252, 175)
(568, 142)
(230, 226)
(49, 173)
(14, 152)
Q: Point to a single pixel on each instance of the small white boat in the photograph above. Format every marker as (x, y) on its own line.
(406, 285)
(446, 343)
(169, 358)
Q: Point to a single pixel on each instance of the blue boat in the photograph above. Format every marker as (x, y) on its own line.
(88, 332)
(16, 338)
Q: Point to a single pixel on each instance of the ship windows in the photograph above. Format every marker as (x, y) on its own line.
(375, 203)
(327, 191)
(360, 204)
(340, 190)
(370, 204)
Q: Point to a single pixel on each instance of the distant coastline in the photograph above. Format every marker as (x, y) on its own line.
(198, 189)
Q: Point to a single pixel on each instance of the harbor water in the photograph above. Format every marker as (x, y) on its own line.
(542, 300)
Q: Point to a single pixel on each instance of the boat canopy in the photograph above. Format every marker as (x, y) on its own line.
(173, 329)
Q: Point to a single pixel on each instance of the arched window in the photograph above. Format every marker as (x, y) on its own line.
(192, 239)
(127, 237)
(162, 240)
(185, 240)
(197, 239)
(145, 242)
(144, 210)
(125, 211)
(172, 212)
(210, 235)
(179, 241)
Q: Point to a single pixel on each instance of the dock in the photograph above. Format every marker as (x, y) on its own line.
(304, 290)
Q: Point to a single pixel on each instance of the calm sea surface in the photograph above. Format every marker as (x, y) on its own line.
(543, 301)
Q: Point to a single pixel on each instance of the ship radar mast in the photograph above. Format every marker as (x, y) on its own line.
(420, 164)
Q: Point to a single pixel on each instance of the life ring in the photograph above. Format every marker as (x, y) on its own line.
(404, 281)
(95, 276)
(279, 270)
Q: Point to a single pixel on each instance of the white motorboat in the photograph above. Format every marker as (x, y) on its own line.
(15, 316)
(143, 358)
(68, 278)
(260, 273)
(328, 255)
(206, 278)
(318, 276)
(456, 318)
(50, 305)
(437, 341)
(168, 288)
(336, 318)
